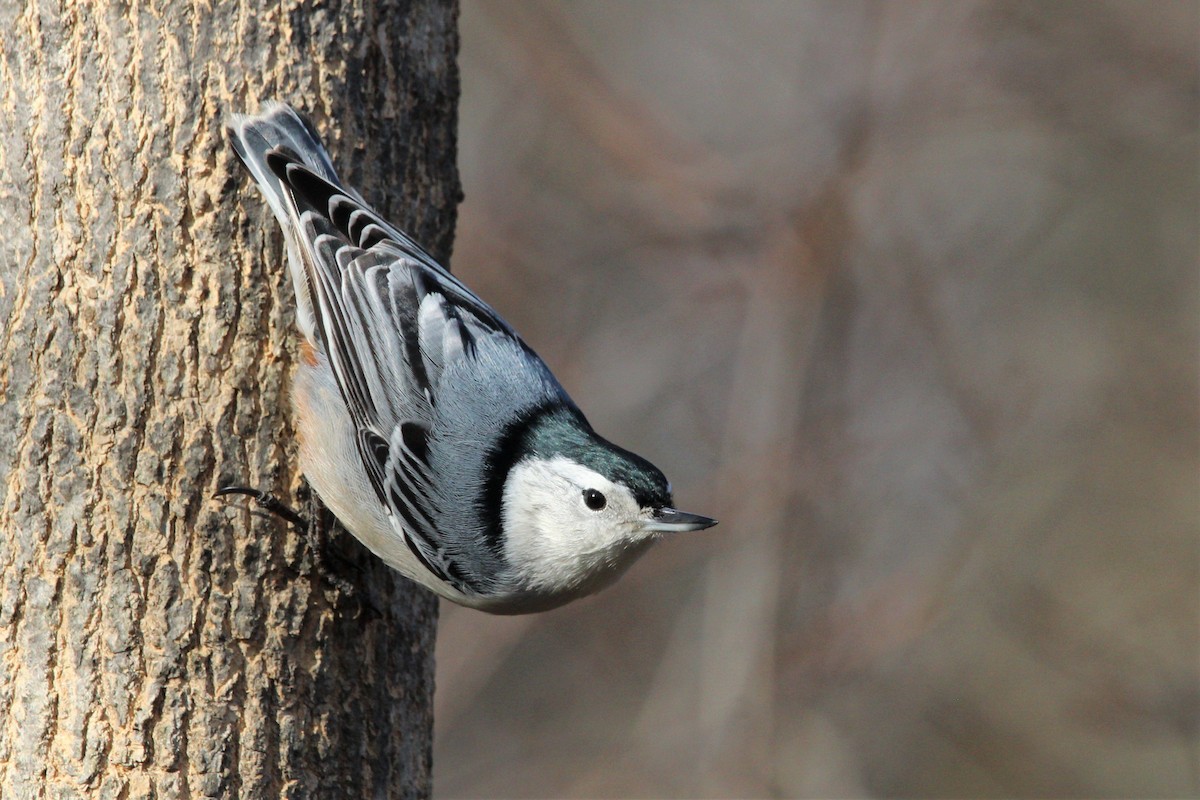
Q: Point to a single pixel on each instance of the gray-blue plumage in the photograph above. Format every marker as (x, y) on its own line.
(444, 399)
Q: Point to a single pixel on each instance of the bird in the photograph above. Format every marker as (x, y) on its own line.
(426, 424)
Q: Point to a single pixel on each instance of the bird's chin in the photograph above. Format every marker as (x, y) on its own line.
(520, 603)
(588, 580)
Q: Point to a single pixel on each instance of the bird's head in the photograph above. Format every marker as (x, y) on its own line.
(577, 510)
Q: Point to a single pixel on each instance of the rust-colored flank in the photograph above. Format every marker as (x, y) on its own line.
(308, 353)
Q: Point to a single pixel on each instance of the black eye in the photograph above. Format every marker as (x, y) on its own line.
(594, 500)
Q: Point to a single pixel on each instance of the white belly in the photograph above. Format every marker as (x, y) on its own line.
(330, 461)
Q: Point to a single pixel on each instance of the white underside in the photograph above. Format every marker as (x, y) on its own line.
(330, 461)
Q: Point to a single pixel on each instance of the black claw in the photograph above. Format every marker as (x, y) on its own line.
(268, 502)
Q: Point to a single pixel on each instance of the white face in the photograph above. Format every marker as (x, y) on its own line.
(568, 527)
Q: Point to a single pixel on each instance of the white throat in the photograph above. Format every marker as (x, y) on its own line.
(554, 542)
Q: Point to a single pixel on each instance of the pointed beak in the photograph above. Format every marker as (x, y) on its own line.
(668, 520)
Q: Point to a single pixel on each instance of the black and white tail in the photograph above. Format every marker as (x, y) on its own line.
(279, 131)
(278, 126)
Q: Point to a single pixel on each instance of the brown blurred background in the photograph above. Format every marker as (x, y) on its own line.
(905, 295)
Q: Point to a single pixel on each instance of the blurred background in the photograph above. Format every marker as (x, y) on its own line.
(906, 295)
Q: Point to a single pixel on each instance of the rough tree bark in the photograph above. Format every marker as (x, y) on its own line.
(155, 642)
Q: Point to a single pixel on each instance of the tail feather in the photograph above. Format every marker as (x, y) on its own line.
(278, 126)
(295, 175)
(255, 137)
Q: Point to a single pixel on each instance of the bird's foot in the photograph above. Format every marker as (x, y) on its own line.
(334, 566)
(268, 502)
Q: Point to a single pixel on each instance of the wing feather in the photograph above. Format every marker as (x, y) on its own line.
(391, 322)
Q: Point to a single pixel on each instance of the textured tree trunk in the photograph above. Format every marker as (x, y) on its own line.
(155, 642)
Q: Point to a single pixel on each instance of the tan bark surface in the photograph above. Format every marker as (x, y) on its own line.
(155, 642)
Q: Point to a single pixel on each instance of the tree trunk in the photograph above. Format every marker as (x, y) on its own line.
(155, 642)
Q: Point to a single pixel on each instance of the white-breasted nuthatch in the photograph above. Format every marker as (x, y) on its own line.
(430, 429)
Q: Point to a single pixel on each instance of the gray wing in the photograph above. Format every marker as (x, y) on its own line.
(394, 324)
